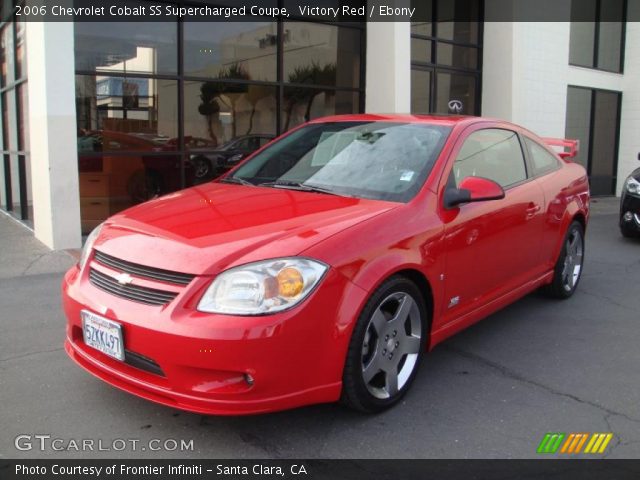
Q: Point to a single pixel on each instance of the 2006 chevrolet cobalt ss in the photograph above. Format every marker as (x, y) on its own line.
(325, 265)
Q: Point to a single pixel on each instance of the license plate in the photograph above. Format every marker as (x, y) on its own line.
(102, 334)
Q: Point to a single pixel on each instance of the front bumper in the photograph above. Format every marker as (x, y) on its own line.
(293, 358)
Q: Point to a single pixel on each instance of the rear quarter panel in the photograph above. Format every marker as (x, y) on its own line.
(566, 197)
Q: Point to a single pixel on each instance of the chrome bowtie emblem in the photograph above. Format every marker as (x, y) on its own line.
(455, 106)
(124, 278)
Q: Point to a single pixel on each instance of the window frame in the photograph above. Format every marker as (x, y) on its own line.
(529, 157)
(181, 77)
(596, 40)
(434, 67)
(464, 136)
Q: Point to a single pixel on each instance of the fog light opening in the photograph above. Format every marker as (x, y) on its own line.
(628, 216)
(249, 379)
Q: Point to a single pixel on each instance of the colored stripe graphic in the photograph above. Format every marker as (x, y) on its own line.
(550, 443)
(598, 443)
(574, 443)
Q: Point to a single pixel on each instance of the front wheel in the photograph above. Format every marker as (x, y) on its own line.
(386, 347)
(628, 231)
(568, 268)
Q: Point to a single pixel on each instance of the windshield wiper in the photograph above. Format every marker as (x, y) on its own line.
(238, 181)
(304, 187)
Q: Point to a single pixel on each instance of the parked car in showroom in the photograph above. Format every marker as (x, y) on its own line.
(327, 264)
(208, 164)
(630, 205)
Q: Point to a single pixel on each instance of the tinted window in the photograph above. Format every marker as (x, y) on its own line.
(495, 154)
(379, 160)
(239, 50)
(316, 54)
(140, 47)
(543, 161)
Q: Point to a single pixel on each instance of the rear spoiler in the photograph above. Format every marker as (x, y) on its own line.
(572, 145)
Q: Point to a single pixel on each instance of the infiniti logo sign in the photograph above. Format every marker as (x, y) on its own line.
(455, 106)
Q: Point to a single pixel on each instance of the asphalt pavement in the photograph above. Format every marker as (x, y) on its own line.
(492, 391)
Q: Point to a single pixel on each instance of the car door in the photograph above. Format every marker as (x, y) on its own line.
(491, 247)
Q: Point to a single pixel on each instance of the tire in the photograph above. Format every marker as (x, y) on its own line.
(389, 336)
(144, 185)
(628, 232)
(202, 168)
(568, 268)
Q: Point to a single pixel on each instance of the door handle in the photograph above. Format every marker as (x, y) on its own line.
(532, 209)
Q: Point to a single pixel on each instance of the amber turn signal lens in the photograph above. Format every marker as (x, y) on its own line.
(290, 282)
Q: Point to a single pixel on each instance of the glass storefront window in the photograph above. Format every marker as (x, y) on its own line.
(459, 32)
(457, 56)
(21, 50)
(125, 114)
(303, 104)
(317, 54)
(240, 50)
(217, 112)
(599, 43)
(421, 50)
(420, 90)
(424, 11)
(593, 117)
(127, 47)
(149, 124)
(7, 55)
(23, 116)
(446, 57)
(15, 185)
(450, 87)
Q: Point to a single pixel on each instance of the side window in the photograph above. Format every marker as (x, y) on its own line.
(492, 153)
(542, 160)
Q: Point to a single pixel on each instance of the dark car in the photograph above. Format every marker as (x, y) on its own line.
(211, 163)
(630, 205)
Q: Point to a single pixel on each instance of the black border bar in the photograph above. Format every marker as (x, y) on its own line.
(307, 10)
(562, 469)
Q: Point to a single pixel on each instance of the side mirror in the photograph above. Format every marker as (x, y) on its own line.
(473, 189)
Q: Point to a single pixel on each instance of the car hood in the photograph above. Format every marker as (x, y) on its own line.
(205, 229)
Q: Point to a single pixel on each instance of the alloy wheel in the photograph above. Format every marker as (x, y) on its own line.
(391, 345)
(573, 260)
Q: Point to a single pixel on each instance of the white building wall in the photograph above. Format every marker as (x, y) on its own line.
(52, 127)
(388, 80)
(526, 73)
(524, 76)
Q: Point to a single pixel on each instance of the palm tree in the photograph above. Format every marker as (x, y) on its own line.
(312, 74)
(213, 92)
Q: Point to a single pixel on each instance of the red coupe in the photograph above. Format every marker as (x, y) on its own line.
(326, 265)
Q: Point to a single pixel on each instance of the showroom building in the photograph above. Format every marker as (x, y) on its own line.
(97, 117)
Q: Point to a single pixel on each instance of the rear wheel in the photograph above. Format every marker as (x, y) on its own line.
(568, 269)
(386, 347)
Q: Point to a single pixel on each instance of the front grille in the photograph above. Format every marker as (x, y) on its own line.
(136, 293)
(143, 271)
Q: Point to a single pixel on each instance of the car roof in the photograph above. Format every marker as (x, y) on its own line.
(435, 119)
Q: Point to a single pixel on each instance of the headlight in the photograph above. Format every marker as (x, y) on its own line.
(262, 287)
(632, 186)
(88, 245)
(236, 158)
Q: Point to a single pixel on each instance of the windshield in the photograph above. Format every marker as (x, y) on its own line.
(377, 160)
